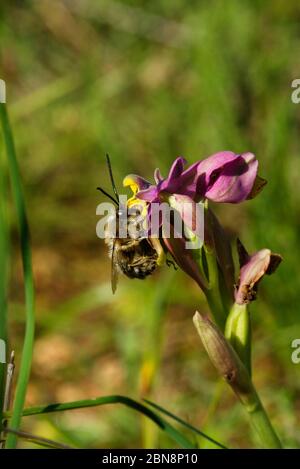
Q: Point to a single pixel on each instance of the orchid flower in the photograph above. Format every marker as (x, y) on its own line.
(222, 177)
(253, 268)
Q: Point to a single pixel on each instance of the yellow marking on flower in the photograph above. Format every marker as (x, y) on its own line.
(131, 181)
(136, 183)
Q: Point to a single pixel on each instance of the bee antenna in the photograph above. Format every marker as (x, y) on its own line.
(108, 195)
(111, 176)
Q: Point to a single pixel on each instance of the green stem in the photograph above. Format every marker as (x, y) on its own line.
(212, 293)
(26, 358)
(260, 421)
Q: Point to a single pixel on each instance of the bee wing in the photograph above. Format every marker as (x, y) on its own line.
(114, 269)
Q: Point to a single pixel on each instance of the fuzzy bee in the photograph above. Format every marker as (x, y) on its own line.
(131, 256)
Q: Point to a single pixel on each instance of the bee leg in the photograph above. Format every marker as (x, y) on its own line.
(169, 263)
(159, 249)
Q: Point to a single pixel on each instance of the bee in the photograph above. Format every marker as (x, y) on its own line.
(134, 257)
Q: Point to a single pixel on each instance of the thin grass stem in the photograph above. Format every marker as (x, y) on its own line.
(25, 365)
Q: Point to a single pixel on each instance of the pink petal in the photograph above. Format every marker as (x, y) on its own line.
(149, 195)
(176, 168)
(157, 176)
(191, 213)
(252, 271)
(229, 177)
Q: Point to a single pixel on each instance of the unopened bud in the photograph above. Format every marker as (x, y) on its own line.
(223, 356)
(232, 369)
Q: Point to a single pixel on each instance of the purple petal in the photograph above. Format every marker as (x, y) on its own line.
(191, 172)
(173, 181)
(229, 177)
(191, 214)
(252, 271)
(157, 176)
(176, 168)
(192, 183)
(184, 182)
(149, 195)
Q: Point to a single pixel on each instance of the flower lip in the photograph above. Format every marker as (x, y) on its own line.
(136, 183)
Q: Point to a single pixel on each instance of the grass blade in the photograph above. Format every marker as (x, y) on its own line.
(38, 440)
(172, 432)
(4, 270)
(26, 358)
(185, 424)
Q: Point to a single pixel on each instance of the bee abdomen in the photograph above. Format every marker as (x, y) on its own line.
(139, 270)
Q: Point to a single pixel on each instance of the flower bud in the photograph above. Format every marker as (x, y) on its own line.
(223, 356)
(253, 268)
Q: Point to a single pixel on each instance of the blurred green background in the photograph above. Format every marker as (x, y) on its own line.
(146, 82)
